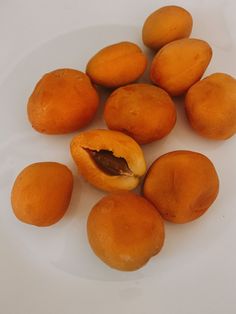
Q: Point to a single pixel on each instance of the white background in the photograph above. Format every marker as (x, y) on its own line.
(24, 26)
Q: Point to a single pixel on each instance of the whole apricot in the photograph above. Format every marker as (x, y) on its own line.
(41, 193)
(63, 101)
(180, 64)
(210, 106)
(117, 65)
(125, 230)
(165, 25)
(143, 111)
(182, 185)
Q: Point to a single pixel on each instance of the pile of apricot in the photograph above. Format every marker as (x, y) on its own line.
(124, 229)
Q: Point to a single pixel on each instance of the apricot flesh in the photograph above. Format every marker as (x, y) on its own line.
(109, 160)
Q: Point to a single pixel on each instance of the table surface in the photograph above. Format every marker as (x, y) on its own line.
(27, 24)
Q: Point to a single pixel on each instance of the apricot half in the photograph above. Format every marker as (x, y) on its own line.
(109, 160)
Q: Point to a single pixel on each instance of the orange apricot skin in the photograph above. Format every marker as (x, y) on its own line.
(63, 101)
(182, 185)
(116, 65)
(125, 230)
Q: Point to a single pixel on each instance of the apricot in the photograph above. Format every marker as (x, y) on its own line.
(109, 160)
(210, 106)
(125, 230)
(144, 112)
(117, 65)
(41, 193)
(182, 185)
(63, 101)
(180, 64)
(165, 25)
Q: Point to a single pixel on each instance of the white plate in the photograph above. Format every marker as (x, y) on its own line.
(52, 270)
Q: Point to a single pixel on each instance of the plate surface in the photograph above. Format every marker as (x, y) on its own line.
(198, 258)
